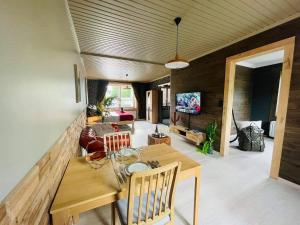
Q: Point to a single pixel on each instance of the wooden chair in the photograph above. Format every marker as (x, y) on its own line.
(115, 141)
(151, 197)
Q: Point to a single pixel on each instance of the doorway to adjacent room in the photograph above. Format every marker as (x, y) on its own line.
(287, 46)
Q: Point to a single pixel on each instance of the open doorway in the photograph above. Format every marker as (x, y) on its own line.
(287, 48)
(254, 106)
(164, 103)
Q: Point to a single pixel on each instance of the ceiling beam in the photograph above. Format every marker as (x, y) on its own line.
(121, 58)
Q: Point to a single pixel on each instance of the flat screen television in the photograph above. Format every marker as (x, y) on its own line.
(189, 102)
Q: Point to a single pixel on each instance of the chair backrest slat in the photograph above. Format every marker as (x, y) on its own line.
(162, 192)
(113, 143)
(159, 185)
(141, 200)
(122, 140)
(155, 195)
(172, 196)
(169, 184)
(131, 196)
(149, 197)
(117, 140)
(109, 139)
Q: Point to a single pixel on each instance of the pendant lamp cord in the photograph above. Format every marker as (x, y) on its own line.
(177, 41)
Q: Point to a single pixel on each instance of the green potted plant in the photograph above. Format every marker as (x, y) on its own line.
(207, 146)
(102, 107)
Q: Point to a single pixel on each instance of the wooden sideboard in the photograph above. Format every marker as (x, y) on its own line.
(197, 137)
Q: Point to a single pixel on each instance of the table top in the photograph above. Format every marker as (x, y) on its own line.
(81, 184)
(166, 136)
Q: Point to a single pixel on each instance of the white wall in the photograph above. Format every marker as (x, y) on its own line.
(37, 93)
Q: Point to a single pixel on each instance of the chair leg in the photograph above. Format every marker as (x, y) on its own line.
(196, 198)
(75, 218)
(132, 127)
(114, 214)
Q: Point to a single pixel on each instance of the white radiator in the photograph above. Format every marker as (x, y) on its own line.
(272, 129)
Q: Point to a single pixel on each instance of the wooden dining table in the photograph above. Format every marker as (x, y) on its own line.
(83, 188)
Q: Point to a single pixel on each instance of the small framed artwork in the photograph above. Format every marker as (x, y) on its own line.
(77, 77)
(86, 91)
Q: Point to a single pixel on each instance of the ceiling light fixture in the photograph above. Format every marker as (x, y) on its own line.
(177, 63)
(127, 86)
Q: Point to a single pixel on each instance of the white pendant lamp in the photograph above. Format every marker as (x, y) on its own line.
(127, 86)
(177, 63)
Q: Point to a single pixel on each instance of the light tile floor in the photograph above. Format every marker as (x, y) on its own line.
(235, 190)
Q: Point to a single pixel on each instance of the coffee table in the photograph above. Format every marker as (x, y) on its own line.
(158, 140)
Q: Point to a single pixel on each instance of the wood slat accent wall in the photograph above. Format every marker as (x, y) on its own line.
(208, 73)
(29, 202)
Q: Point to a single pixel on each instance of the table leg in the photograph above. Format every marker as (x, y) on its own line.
(61, 218)
(114, 215)
(196, 197)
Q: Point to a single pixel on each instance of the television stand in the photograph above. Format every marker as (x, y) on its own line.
(197, 137)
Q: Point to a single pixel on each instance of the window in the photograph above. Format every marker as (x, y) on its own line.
(166, 94)
(123, 93)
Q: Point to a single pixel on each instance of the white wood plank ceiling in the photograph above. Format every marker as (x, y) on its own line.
(138, 36)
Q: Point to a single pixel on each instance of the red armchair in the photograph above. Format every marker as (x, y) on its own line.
(115, 126)
(93, 143)
(90, 141)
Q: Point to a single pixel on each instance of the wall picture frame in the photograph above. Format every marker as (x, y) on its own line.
(86, 91)
(77, 78)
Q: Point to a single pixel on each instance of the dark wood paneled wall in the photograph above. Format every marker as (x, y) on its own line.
(255, 94)
(265, 92)
(207, 74)
(242, 95)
